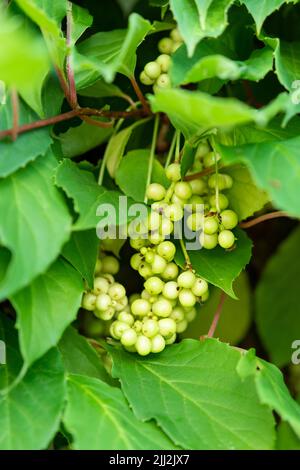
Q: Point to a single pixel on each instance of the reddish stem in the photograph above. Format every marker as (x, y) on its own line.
(263, 218)
(70, 73)
(140, 95)
(15, 111)
(217, 315)
(195, 176)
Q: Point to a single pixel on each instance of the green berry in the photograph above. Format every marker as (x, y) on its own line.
(133, 297)
(170, 290)
(187, 298)
(229, 219)
(167, 327)
(137, 243)
(154, 285)
(98, 267)
(181, 326)
(210, 159)
(195, 221)
(120, 304)
(162, 308)
(198, 186)
(190, 315)
(105, 315)
(103, 302)
(205, 296)
(145, 79)
(145, 270)
(175, 35)
(92, 327)
(154, 221)
(159, 206)
(177, 200)
(223, 181)
(164, 60)
(166, 227)
(200, 287)
(129, 337)
(165, 46)
(140, 307)
(153, 70)
(173, 172)
(136, 260)
(170, 273)
(145, 295)
(156, 191)
(88, 301)
(101, 285)
(196, 203)
(174, 212)
(176, 45)
(183, 190)
(117, 329)
(110, 265)
(223, 201)
(178, 314)
(149, 257)
(143, 345)
(126, 317)
(138, 325)
(202, 149)
(150, 328)
(159, 264)
(226, 239)
(163, 81)
(186, 279)
(155, 238)
(171, 340)
(208, 241)
(210, 225)
(157, 344)
(117, 291)
(166, 250)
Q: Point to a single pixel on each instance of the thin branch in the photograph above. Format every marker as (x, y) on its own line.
(93, 122)
(186, 255)
(15, 111)
(194, 176)
(140, 95)
(69, 65)
(152, 154)
(217, 315)
(63, 83)
(263, 218)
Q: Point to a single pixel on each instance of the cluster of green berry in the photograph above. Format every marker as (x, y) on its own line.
(156, 72)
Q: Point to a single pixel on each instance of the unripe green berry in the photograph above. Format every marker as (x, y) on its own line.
(101, 285)
(88, 301)
(155, 238)
(166, 227)
(202, 149)
(159, 206)
(149, 257)
(137, 243)
(164, 60)
(145, 270)
(200, 287)
(117, 291)
(143, 345)
(229, 219)
(210, 159)
(165, 46)
(223, 181)
(159, 264)
(129, 337)
(178, 314)
(145, 79)
(154, 221)
(170, 290)
(208, 241)
(171, 340)
(105, 315)
(195, 203)
(153, 70)
(133, 297)
(187, 298)
(162, 308)
(120, 304)
(177, 200)
(190, 315)
(226, 239)
(145, 295)
(103, 302)
(174, 212)
(181, 326)
(175, 35)
(157, 344)
(154, 285)
(186, 279)
(171, 272)
(223, 201)
(92, 327)
(205, 296)
(140, 307)
(183, 190)
(210, 225)
(173, 172)
(156, 192)
(198, 186)
(98, 267)
(138, 325)
(110, 265)
(195, 221)
(166, 250)
(167, 327)
(163, 81)
(126, 317)
(136, 260)
(176, 45)
(150, 328)
(117, 329)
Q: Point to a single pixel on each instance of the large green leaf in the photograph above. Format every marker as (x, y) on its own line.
(30, 411)
(81, 21)
(131, 175)
(213, 15)
(277, 302)
(34, 224)
(200, 401)
(186, 14)
(220, 267)
(287, 63)
(274, 167)
(108, 422)
(286, 438)
(79, 357)
(261, 9)
(235, 319)
(78, 140)
(27, 147)
(81, 187)
(271, 388)
(106, 53)
(82, 252)
(46, 308)
(244, 196)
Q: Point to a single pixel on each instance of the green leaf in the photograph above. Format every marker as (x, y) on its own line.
(106, 53)
(82, 20)
(117, 145)
(35, 403)
(78, 140)
(277, 315)
(82, 252)
(46, 308)
(271, 388)
(21, 49)
(274, 167)
(131, 176)
(27, 147)
(101, 89)
(34, 225)
(236, 314)
(47, 14)
(244, 196)
(186, 14)
(286, 438)
(81, 186)
(211, 408)
(260, 10)
(108, 422)
(220, 267)
(79, 357)
(187, 158)
(287, 63)
(213, 15)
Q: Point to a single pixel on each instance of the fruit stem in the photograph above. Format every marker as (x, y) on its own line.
(152, 154)
(187, 258)
(177, 151)
(15, 110)
(217, 315)
(171, 150)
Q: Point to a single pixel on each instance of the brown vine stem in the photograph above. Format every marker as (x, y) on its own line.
(15, 110)
(70, 74)
(140, 95)
(217, 315)
(263, 218)
(195, 176)
(79, 112)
